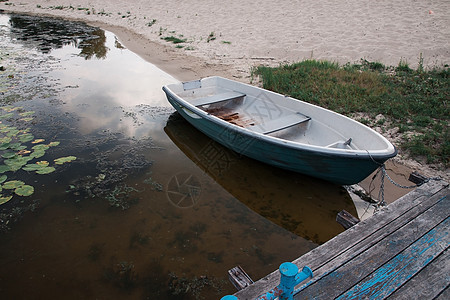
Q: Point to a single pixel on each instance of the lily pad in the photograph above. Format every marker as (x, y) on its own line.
(8, 108)
(53, 144)
(26, 119)
(46, 170)
(4, 168)
(5, 199)
(4, 146)
(13, 132)
(25, 190)
(5, 140)
(5, 116)
(17, 162)
(40, 147)
(3, 178)
(37, 153)
(37, 141)
(36, 167)
(20, 148)
(16, 146)
(9, 155)
(27, 137)
(23, 152)
(32, 167)
(13, 184)
(27, 113)
(62, 160)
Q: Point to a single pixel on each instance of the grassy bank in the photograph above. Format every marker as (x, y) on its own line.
(411, 103)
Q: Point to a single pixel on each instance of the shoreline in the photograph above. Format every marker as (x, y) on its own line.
(188, 65)
(231, 37)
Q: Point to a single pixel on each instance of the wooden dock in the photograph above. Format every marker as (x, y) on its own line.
(402, 252)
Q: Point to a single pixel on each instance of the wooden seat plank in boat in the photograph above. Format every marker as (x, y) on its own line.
(216, 98)
(280, 124)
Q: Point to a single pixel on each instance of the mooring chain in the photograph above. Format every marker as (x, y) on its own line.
(385, 174)
(383, 169)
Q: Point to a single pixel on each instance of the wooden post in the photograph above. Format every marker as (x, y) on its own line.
(346, 219)
(417, 178)
(239, 278)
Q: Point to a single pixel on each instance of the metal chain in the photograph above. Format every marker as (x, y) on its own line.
(382, 202)
(383, 169)
(385, 174)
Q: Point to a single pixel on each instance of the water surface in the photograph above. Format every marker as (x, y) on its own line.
(151, 208)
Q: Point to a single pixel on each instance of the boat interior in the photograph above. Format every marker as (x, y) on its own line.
(277, 116)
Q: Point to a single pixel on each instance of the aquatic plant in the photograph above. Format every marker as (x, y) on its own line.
(18, 149)
(156, 186)
(122, 275)
(120, 196)
(111, 167)
(183, 286)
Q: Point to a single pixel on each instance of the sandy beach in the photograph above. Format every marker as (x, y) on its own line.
(229, 37)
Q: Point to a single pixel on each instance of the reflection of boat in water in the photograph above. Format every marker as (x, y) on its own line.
(281, 131)
(301, 204)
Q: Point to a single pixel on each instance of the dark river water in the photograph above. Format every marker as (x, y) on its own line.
(146, 207)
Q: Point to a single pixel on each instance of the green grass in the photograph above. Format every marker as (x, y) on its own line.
(415, 101)
(211, 37)
(174, 39)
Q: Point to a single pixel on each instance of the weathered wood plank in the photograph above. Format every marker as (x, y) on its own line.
(239, 278)
(393, 274)
(348, 269)
(357, 238)
(445, 295)
(417, 178)
(387, 220)
(430, 282)
(346, 219)
(359, 245)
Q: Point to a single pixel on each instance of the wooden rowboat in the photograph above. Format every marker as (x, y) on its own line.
(281, 131)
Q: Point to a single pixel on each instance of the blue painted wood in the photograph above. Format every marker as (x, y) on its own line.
(351, 267)
(429, 282)
(290, 277)
(347, 259)
(389, 277)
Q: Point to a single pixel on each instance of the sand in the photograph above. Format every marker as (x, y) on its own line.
(229, 37)
(251, 33)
